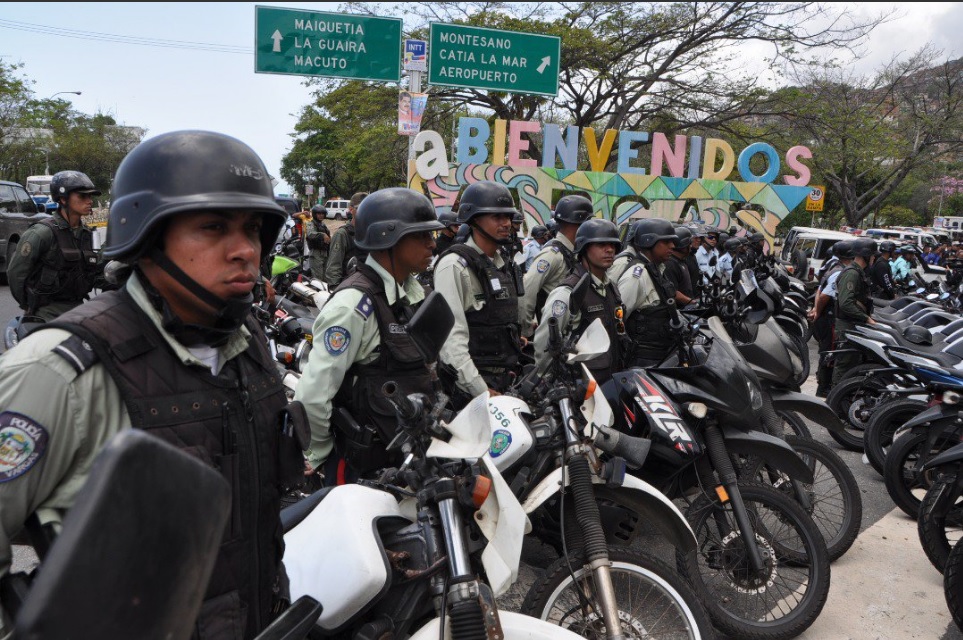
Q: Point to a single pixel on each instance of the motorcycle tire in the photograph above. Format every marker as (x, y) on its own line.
(905, 483)
(793, 424)
(835, 503)
(802, 343)
(653, 600)
(886, 420)
(953, 584)
(796, 554)
(940, 523)
(853, 400)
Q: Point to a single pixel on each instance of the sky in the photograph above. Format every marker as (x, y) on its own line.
(213, 86)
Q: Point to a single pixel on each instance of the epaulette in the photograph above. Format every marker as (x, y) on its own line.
(77, 352)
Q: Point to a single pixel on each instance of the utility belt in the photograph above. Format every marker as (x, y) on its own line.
(362, 446)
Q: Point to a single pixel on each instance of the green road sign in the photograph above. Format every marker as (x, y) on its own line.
(337, 45)
(478, 58)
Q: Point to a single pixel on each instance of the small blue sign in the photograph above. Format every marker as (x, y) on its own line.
(416, 55)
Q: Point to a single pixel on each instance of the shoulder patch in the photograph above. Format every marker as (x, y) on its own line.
(365, 307)
(336, 340)
(541, 266)
(558, 309)
(637, 271)
(22, 443)
(25, 248)
(77, 352)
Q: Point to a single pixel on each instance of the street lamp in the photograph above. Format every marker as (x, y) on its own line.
(76, 93)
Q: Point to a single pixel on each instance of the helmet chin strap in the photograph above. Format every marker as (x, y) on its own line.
(229, 314)
(503, 242)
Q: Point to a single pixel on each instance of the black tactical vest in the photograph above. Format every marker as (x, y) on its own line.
(652, 337)
(609, 310)
(67, 274)
(493, 331)
(398, 361)
(231, 421)
(861, 292)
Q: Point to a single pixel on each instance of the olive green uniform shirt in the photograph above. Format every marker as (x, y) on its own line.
(78, 415)
(345, 332)
(334, 271)
(548, 270)
(851, 298)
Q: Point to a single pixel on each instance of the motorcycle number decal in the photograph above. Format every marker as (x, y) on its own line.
(500, 416)
(541, 266)
(22, 443)
(365, 307)
(336, 340)
(501, 441)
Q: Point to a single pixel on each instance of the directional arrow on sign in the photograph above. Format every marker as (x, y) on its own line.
(545, 62)
(276, 36)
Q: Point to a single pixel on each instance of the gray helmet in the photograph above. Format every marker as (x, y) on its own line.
(518, 218)
(552, 226)
(63, 183)
(756, 237)
(540, 231)
(386, 216)
(908, 248)
(485, 197)
(651, 230)
(447, 217)
(732, 245)
(918, 335)
(684, 236)
(845, 249)
(187, 171)
(574, 209)
(597, 231)
(864, 247)
(887, 246)
(316, 209)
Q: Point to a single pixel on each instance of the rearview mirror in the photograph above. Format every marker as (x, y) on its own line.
(430, 326)
(577, 297)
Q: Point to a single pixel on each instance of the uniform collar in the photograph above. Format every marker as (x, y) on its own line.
(236, 344)
(412, 289)
(565, 242)
(498, 260)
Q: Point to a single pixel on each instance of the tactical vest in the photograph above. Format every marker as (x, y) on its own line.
(231, 421)
(66, 274)
(861, 293)
(493, 331)
(398, 361)
(609, 310)
(351, 251)
(677, 271)
(882, 279)
(571, 260)
(652, 337)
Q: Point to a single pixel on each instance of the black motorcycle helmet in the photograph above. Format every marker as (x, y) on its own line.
(574, 209)
(518, 218)
(732, 245)
(552, 227)
(845, 249)
(887, 246)
(386, 216)
(651, 230)
(909, 248)
(918, 335)
(485, 197)
(319, 209)
(540, 231)
(187, 171)
(447, 217)
(684, 236)
(757, 238)
(864, 247)
(597, 231)
(63, 183)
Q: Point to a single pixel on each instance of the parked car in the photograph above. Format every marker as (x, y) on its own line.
(289, 204)
(17, 212)
(337, 209)
(806, 248)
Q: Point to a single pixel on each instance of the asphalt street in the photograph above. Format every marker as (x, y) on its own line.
(884, 588)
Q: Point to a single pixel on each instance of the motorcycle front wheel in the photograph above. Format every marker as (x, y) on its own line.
(886, 421)
(854, 400)
(653, 601)
(940, 523)
(905, 483)
(953, 584)
(782, 600)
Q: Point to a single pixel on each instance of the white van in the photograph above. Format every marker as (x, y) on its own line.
(337, 209)
(916, 236)
(806, 248)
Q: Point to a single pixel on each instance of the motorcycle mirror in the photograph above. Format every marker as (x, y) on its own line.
(577, 297)
(430, 326)
(932, 296)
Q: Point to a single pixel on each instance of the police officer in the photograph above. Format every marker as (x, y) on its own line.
(707, 252)
(483, 348)
(903, 265)
(540, 235)
(556, 259)
(359, 339)
(446, 237)
(55, 265)
(173, 352)
(676, 269)
(628, 256)
(881, 274)
(596, 244)
(319, 239)
(823, 314)
(343, 245)
(647, 294)
(853, 303)
(756, 248)
(514, 247)
(726, 264)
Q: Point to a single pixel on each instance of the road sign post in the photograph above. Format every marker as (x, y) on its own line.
(479, 58)
(335, 45)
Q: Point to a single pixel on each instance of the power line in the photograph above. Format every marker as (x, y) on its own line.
(112, 37)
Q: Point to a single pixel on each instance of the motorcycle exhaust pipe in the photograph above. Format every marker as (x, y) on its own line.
(634, 450)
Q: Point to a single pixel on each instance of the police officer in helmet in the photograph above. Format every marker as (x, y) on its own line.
(360, 343)
(446, 237)
(173, 352)
(319, 239)
(55, 266)
(881, 273)
(596, 244)
(853, 303)
(556, 259)
(343, 245)
(483, 349)
(647, 294)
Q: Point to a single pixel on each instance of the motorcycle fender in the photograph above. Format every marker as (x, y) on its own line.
(544, 490)
(811, 407)
(945, 414)
(790, 325)
(653, 507)
(771, 449)
(950, 456)
(515, 626)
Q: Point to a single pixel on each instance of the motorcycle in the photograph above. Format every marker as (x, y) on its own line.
(423, 551)
(940, 520)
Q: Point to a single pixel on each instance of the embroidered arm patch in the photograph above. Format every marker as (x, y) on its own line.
(22, 443)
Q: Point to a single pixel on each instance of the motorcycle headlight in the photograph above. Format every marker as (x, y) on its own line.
(951, 397)
(755, 396)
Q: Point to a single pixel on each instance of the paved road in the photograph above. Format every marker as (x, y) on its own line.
(884, 588)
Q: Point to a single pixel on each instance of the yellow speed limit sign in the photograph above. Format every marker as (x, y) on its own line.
(815, 199)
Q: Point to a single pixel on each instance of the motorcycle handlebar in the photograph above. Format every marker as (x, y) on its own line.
(407, 410)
